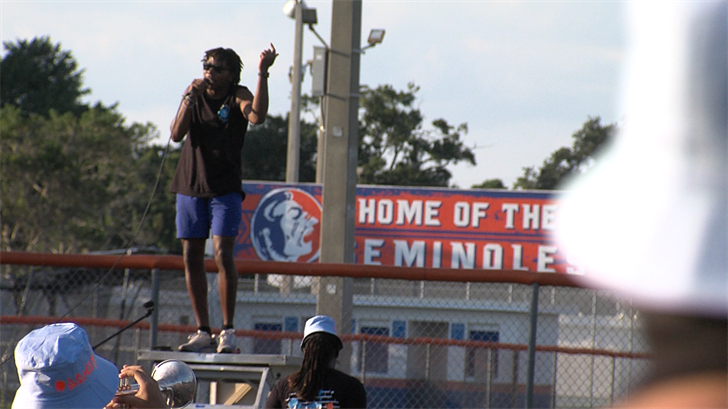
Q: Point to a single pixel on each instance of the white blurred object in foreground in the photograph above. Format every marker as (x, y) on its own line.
(650, 221)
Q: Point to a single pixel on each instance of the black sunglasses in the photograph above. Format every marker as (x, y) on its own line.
(216, 68)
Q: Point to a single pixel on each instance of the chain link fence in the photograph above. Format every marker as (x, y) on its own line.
(414, 344)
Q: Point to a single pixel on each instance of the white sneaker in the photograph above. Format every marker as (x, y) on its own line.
(226, 342)
(199, 342)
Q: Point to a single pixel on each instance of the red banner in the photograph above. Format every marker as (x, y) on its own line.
(415, 227)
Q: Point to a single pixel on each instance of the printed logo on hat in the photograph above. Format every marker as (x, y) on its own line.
(79, 378)
(286, 226)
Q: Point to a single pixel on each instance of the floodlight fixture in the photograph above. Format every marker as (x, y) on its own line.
(289, 9)
(376, 35)
(309, 14)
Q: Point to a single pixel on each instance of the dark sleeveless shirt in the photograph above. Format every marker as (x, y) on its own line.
(210, 162)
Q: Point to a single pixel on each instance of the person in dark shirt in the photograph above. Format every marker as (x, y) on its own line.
(214, 114)
(317, 384)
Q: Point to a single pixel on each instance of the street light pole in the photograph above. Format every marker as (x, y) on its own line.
(294, 119)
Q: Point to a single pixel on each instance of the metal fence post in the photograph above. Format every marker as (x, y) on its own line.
(530, 371)
(594, 346)
(614, 370)
(553, 381)
(514, 380)
(155, 313)
(363, 362)
(488, 377)
(427, 361)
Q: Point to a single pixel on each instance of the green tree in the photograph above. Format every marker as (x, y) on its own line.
(490, 184)
(70, 183)
(566, 162)
(394, 149)
(74, 177)
(265, 151)
(38, 76)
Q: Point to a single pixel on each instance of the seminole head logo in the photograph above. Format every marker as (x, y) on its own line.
(285, 226)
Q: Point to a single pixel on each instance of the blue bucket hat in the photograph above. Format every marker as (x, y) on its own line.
(58, 369)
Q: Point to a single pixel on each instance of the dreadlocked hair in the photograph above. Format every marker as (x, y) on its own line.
(230, 57)
(319, 349)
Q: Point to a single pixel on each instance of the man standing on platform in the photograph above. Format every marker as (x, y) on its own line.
(214, 113)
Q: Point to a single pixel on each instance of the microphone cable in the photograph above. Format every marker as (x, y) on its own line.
(130, 242)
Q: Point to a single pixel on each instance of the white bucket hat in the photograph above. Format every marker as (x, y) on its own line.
(58, 369)
(320, 323)
(650, 221)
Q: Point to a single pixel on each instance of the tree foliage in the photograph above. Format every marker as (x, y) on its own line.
(566, 162)
(490, 184)
(38, 76)
(70, 183)
(394, 149)
(74, 177)
(265, 151)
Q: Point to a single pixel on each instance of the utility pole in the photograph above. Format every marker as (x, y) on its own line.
(334, 294)
(294, 119)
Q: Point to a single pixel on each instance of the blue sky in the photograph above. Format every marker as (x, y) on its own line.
(523, 75)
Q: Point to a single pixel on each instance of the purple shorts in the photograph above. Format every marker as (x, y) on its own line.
(195, 216)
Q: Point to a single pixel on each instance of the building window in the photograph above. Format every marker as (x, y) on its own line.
(265, 345)
(374, 355)
(477, 357)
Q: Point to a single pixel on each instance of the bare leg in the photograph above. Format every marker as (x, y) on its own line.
(228, 276)
(194, 259)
